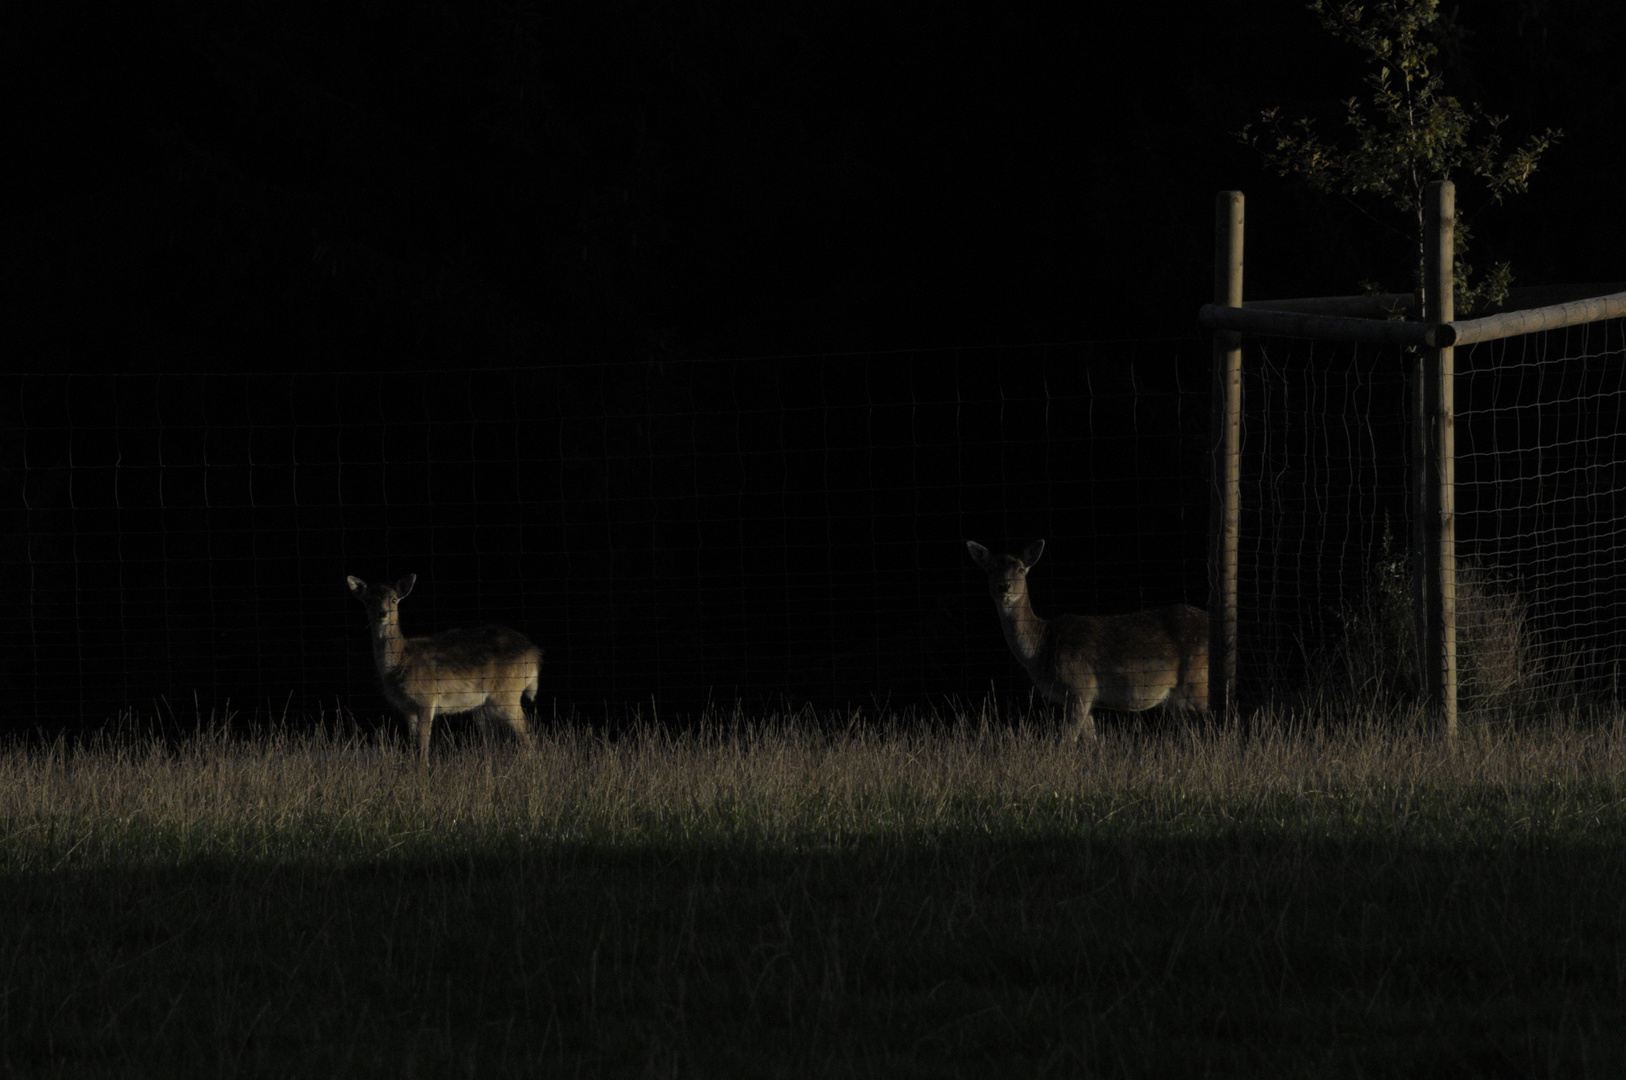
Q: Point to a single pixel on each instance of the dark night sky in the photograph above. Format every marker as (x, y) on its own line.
(271, 182)
(617, 209)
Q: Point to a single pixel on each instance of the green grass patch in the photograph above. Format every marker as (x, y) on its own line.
(796, 899)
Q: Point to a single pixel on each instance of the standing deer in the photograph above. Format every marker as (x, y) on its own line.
(1123, 662)
(485, 667)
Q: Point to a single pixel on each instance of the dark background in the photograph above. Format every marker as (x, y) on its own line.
(691, 339)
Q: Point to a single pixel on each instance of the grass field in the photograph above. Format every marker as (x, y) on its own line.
(800, 897)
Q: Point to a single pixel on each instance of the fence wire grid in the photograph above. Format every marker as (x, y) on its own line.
(1324, 578)
(675, 535)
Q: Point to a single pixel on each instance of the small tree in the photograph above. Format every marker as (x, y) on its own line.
(1412, 134)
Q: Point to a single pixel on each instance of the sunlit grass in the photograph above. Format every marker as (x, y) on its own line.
(791, 783)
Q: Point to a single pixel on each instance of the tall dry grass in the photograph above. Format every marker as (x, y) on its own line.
(793, 781)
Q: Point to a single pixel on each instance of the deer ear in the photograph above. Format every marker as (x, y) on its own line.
(356, 584)
(979, 554)
(404, 586)
(1031, 553)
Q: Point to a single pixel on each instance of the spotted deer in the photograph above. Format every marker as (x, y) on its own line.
(1127, 663)
(489, 668)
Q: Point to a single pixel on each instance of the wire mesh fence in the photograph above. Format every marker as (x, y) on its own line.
(782, 531)
(1323, 502)
(1324, 578)
(1541, 481)
(675, 534)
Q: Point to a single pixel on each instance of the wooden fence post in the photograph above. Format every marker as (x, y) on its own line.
(1227, 451)
(1437, 555)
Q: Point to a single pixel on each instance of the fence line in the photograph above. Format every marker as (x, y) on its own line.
(670, 533)
(1523, 629)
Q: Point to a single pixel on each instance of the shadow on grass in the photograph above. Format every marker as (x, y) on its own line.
(956, 956)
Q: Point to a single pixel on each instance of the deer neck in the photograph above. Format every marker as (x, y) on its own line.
(1024, 631)
(389, 647)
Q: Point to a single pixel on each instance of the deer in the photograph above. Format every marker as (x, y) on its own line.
(1125, 663)
(486, 668)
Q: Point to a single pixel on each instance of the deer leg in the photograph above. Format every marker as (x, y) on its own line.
(507, 708)
(422, 726)
(514, 713)
(1080, 720)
